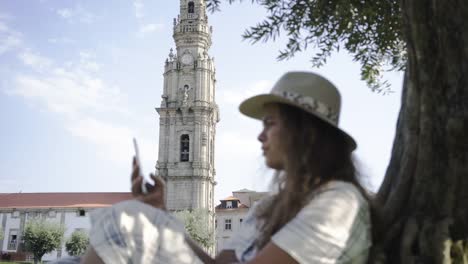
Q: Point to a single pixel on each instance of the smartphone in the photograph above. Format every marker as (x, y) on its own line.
(147, 184)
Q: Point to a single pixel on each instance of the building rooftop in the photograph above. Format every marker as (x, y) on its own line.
(240, 206)
(61, 200)
(243, 191)
(230, 198)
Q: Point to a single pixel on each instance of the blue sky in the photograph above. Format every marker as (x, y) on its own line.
(79, 79)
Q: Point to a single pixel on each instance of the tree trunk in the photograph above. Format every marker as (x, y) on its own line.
(424, 195)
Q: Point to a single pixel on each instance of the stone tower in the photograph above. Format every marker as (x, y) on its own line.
(188, 113)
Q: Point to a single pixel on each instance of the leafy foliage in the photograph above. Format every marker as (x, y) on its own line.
(369, 30)
(196, 223)
(1, 234)
(42, 237)
(77, 244)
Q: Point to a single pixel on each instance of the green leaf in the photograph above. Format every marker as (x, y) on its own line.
(42, 237)
(196, 223)
(77, 244)
(371, 31)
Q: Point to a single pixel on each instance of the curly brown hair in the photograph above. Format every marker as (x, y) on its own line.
(316, 153)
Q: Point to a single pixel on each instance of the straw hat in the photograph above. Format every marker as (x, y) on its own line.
(305, 90)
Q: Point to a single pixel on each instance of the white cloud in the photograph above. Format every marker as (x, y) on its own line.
(64, 13)
(144, 28)
(88, 63)
(85, 55)
(233, 143)
(138, 5)
(74, 92)
(149, 28)
(9, 38)
(76, 14)
(112, 140)
(72, 89)
(4, 16)
(8, 43)
(35, 61)
(62, 40)
(3, 27)
(48, 93)
(239, 147)
(235, 96)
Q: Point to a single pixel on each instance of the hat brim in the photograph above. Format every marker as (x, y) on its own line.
(254, 107)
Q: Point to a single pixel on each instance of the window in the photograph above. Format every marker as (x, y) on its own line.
(229, 204)
(227, 224)
(52, 214)
(81, 212)
(13, 239)
(34, 214)
(216, 223)
(184, 147)
(191, 7)
(15, 214)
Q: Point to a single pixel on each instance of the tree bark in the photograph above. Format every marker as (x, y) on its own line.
(424, 196)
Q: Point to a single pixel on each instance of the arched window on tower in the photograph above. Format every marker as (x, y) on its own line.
(184, 147)
(191, 7)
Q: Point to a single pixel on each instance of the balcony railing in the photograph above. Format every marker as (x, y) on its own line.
(12, 246)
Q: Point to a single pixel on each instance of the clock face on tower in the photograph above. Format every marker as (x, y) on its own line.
(187, 59)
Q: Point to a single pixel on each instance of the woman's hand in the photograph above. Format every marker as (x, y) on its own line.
(155, 196)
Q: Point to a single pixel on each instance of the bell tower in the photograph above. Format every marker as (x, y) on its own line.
(188, 113)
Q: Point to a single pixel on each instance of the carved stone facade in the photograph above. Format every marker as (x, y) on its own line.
(188, 113)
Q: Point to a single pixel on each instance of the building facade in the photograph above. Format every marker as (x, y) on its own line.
(231, 212)
(229, 216)
(70, 210)
(188, 113)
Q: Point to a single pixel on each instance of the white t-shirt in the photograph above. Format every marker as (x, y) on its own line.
(334, 227)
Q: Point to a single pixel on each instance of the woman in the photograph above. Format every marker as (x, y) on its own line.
(318, 214)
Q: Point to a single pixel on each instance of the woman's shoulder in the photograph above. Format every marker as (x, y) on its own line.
(337, 200)
(340, 190)
(334, 225)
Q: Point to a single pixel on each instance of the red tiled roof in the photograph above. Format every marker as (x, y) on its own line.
(61, 200)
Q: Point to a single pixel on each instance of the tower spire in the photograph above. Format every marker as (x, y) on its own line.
(191, 29)
(188, 113)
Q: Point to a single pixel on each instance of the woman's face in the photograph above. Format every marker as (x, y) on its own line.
(270, 137)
